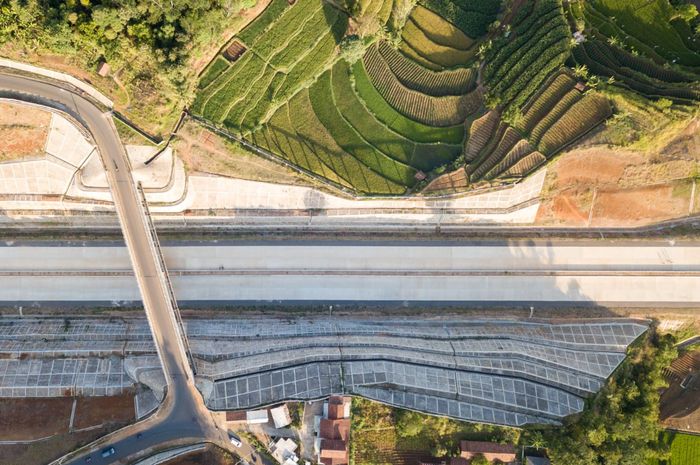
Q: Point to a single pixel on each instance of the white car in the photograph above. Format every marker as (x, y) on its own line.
(235, 440)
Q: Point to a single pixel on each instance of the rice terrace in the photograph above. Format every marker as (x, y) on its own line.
(443, 97)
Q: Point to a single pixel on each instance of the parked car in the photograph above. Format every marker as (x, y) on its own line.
(108, 451)
(235, 440)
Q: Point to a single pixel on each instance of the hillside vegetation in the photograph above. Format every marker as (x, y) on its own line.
(456, 93)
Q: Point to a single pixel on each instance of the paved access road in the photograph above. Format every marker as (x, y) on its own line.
(607, 272)
(183, 414)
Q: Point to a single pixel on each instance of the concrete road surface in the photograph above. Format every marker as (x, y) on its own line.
(637, 273)
(183, 413)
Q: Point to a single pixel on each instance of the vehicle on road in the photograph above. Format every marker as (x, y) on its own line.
(108, 451)
(139, 435)
(235, 440)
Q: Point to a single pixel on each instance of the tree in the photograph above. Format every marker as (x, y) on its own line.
(620, 425)
(409, 423)
(479, 459)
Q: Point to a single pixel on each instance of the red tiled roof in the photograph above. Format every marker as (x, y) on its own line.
(236, 416)
(335, 429)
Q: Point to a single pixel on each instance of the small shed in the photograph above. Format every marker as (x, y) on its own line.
(103, 68)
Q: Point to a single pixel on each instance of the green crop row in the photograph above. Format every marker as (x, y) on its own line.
(473, 22)
(306, 143)
(355, 113)
(421, 156)
(507, 141)
(434, 111)
(280, 138)
(480, 132)
(521, 150)
(307, 38)
(566, 102)
(413, 55)
(594, 57)
(215, 68)
(440, 31)
(218, 106)
(442, 55)
(545, 101)
(525, 166)
(546, 14)
(347, 138)
(487, 7)
(583, 116)
(385, 113)
(532, 79)
(418, 78)
(648, 21)
(287, 28)
(647, 66)
(255, 29)
(250, 98)
(255, 115)
(204, 95)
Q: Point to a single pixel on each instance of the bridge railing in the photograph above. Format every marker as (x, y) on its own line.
(164, 276)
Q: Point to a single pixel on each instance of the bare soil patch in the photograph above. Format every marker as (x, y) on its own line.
(211, 455)
(33, 418)
(680, 406)
(205, 152)
(23, 131)
(91, 411)
(637, 206)
(37, 418)
(619, 187)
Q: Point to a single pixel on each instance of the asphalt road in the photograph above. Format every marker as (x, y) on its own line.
(603, 272)
(183, 413)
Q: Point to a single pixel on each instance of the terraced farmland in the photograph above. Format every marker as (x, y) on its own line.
(630, 70)
(449, 105)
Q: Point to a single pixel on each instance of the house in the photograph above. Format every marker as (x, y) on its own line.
(530, 460)
(284, 451)
(280, 416)
(334, 452)
(504, 453)
(338, 407)
(251, 417)
(334, 429)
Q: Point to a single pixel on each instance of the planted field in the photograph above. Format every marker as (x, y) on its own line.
(471, 16)
(685, 449)
(636, 73)
(646, 24)
(519, 65)
(416, 77)
(583, 116)
(287, 46)
(414, 109)
(434, 111)
(442, 55)
(388, 115)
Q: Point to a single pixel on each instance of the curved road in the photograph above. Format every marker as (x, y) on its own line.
(182, 414)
